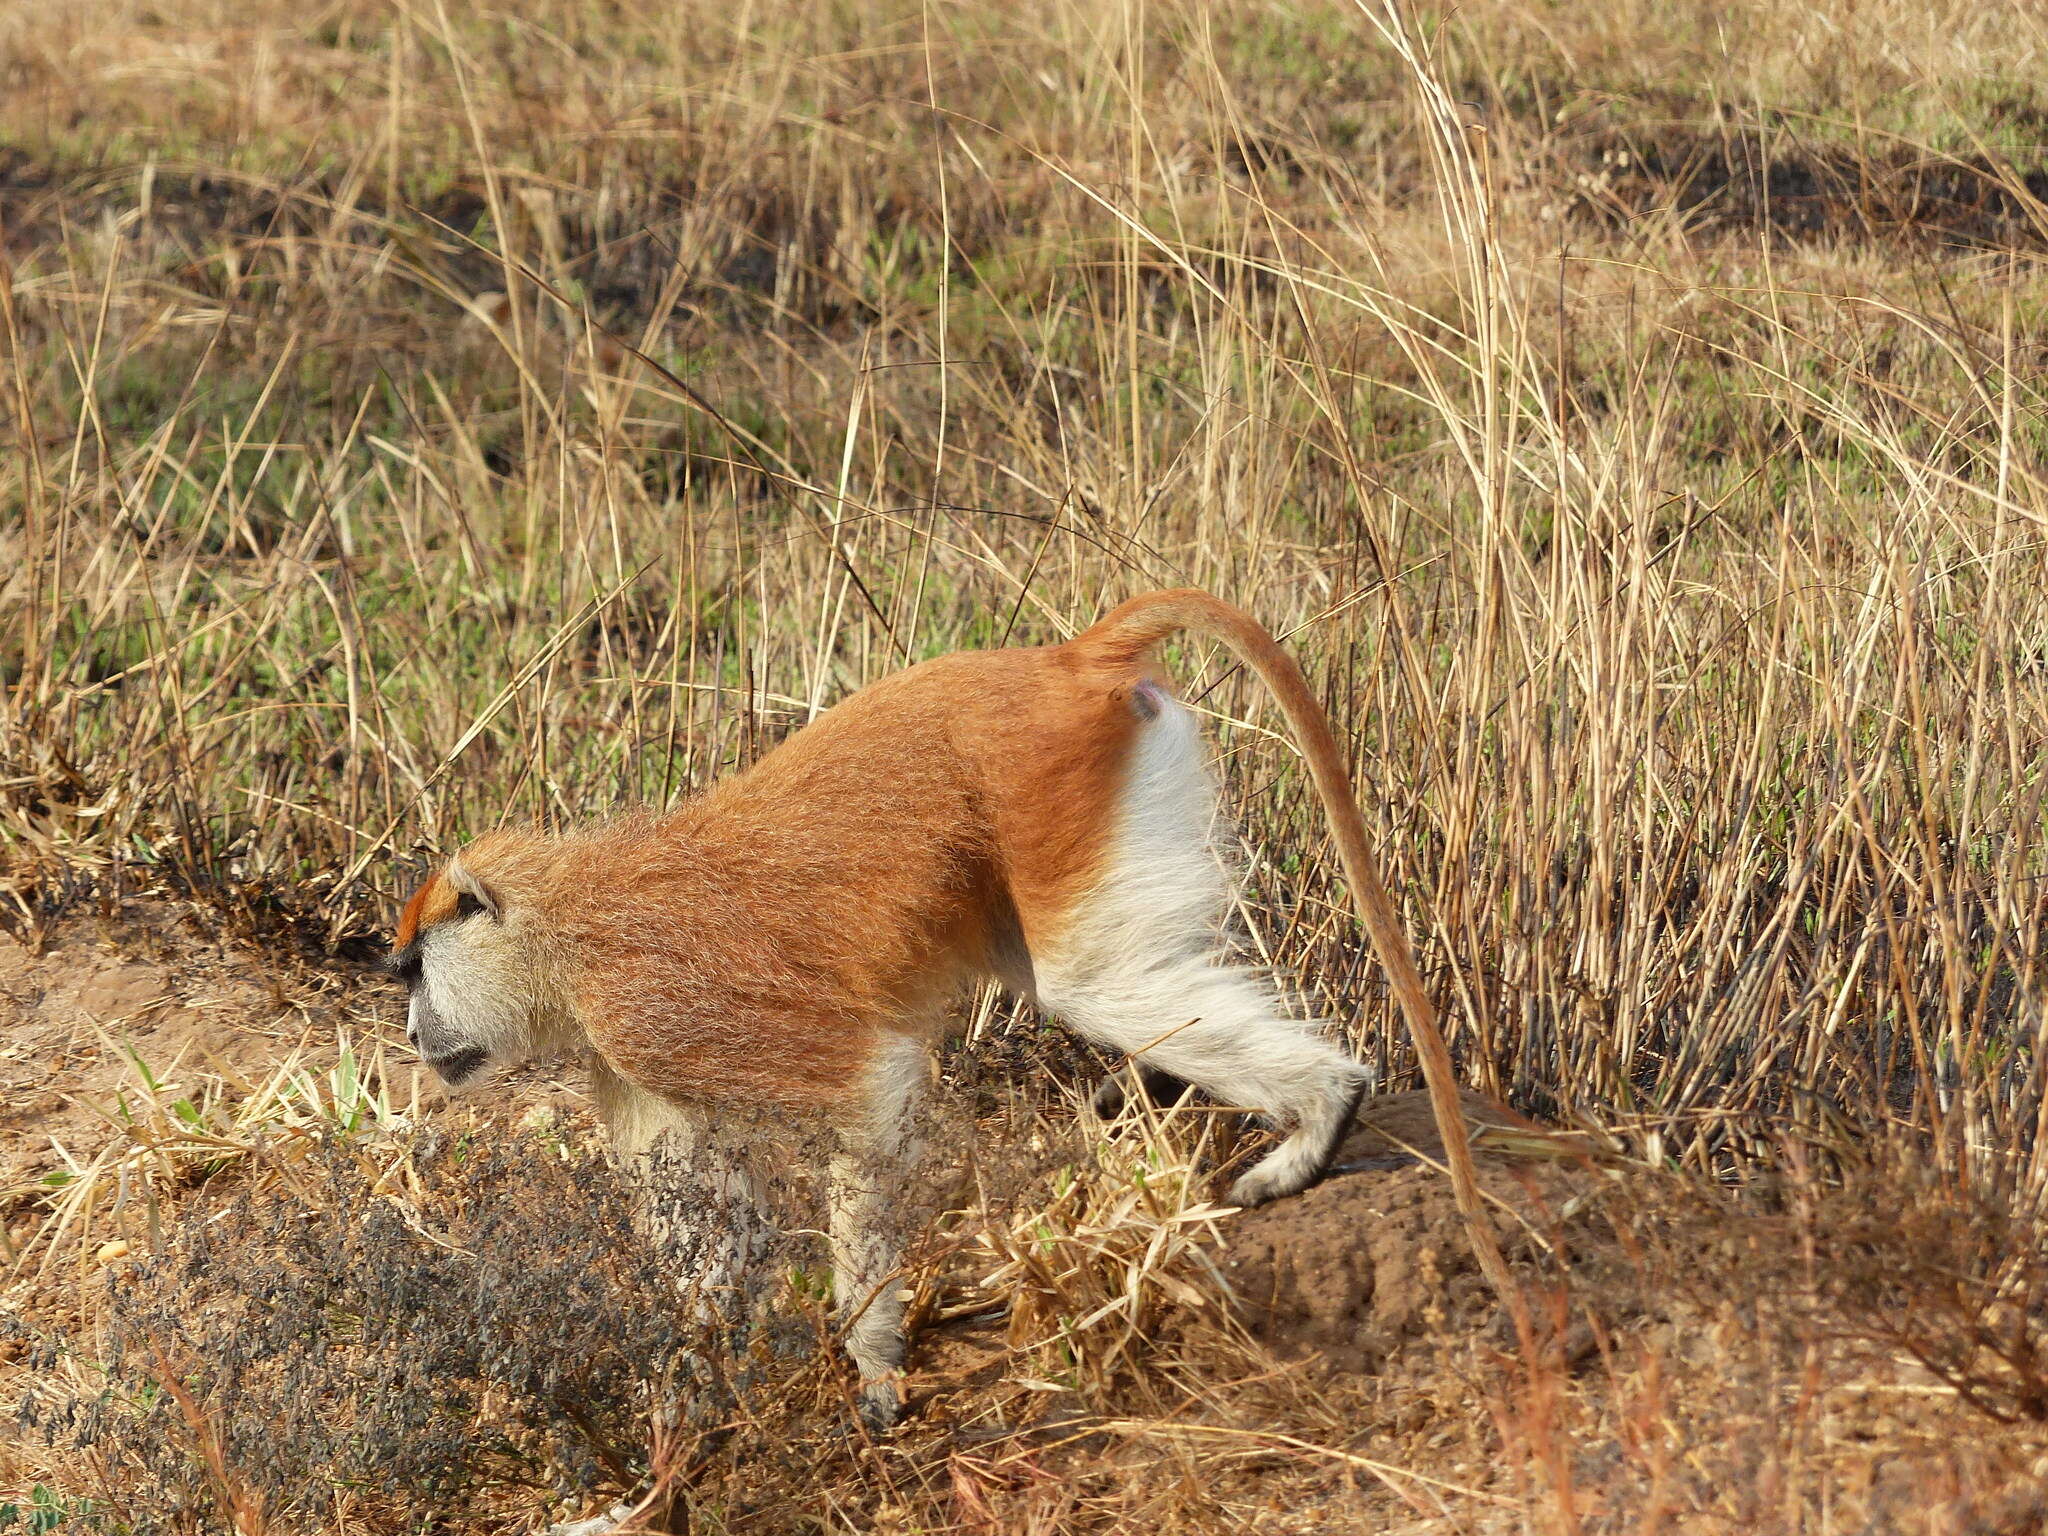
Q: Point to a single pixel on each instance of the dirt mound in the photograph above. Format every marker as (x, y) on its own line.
(1376, 1257)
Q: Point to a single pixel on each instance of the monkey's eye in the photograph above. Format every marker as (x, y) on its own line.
(406, 965)
(468, 905)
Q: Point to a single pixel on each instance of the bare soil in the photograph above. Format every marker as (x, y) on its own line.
(153, 986)
(78, 1011)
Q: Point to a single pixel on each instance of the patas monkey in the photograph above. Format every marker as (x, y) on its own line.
(795, 937)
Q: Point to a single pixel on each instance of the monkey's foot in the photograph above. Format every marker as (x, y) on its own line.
(881, 1401)
(1287, 1171)
(1162, 1088)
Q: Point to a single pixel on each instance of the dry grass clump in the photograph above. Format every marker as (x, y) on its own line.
(1089, 1272)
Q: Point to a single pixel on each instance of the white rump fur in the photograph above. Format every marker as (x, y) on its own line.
(1146, 969)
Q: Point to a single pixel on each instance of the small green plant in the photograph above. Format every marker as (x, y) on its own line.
(48, 1510)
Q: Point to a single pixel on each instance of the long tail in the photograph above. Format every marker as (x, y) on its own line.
(1124, 635)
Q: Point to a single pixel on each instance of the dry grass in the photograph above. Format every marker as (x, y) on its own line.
(1632, 416)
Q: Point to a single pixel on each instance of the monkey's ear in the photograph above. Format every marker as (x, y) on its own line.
(471, 894)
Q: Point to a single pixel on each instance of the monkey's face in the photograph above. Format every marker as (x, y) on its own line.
(463, 956)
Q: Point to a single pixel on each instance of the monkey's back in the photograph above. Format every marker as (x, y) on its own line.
(910, 839)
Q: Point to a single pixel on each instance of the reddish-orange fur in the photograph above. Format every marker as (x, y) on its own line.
(747, 945)
(431, 903)
(755, 944)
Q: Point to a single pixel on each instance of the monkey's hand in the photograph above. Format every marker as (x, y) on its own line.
(881, 1401)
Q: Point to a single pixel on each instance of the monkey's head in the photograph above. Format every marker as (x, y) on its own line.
(471, 950)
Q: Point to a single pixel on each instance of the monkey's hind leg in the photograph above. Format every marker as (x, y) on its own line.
(1141, 964)
(1215, 1025)
(869, 1177)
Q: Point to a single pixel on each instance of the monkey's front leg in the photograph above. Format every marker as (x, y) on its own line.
(869, 1175)
(703, 1209)
(700, 1200)
(865, 1282)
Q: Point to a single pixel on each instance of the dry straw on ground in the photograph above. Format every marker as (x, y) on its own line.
(424, 414)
